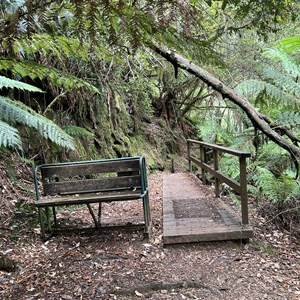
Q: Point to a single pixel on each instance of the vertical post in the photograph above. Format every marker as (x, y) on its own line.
(243, 186)
(216, 168)
(54, 216)
(189, 155)
(202, 159)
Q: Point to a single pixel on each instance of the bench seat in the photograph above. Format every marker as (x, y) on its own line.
(87, 197)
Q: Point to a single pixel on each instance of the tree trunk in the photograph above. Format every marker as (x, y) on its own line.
(258, 120)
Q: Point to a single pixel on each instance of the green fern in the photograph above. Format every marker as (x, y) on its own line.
(9, 136)
(285, 83)
(289, 64)
(10, 83)
(17, 112)
(37, 71)
(288, 118)
(77, 131)
(58, 46)
(290, 44)
(254, 88)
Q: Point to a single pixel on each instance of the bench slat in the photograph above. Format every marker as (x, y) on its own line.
(91, 185)
(89, 168)
(88, 198)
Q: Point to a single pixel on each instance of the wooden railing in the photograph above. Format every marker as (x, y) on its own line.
(201, 161)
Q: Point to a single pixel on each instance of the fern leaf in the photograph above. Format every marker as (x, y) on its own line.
(289, 44)
(288, 62)
(288, 118)
(35, 70)
(17, 112)
(285, 83)
(9, 136)
(58, 46)
(10, 83)
(253, 88)
(74, 131)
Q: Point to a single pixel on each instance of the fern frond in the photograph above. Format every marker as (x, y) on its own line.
(58, 46)
(288, 62)
(9, 136)
(289, 44)
(10, 83)
(17, 112)
(286, 83)
(253, 88)
(288, 118)
(74, 131)
(250, 88)
(35, 70)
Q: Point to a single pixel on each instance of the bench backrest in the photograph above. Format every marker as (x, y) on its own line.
(93, 176)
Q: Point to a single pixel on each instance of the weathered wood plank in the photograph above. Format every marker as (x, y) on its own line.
(89, 168)
(90, 198)
(91, 185)
(182, 189)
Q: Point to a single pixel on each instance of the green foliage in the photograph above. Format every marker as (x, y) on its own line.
(10, 83)
(276, 189)
(17, 112)
(266, 93)
(288, 118)
(288, 62)
(290, 44)
(9, 136)
(35, 70)
(278, 88)
(76, 131)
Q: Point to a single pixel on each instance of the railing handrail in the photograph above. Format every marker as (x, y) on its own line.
(240, 187)
(221, 148)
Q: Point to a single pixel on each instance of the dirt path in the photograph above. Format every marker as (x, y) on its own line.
(121, 265)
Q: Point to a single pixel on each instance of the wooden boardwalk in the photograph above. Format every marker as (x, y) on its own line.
(191, 213)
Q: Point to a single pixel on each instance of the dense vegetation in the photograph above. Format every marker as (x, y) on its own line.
(86, 78)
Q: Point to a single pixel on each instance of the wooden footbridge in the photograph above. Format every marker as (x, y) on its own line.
(192, 211)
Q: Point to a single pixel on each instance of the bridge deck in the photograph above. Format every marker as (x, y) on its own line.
(191, 213)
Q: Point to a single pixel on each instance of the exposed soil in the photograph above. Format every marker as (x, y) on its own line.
(120, 264)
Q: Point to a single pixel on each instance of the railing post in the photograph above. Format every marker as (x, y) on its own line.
(243, 185)
(189, 155)
(202, 159)
(216, 168)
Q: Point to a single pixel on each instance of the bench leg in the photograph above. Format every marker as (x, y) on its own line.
(147, 216)
(48, 219)
(42, 223)
(92, 214)
(54, 216)
(99, 214)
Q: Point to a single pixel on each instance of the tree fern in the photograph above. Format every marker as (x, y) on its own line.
(253, 88)
(288, 118)
(38, 71)
(17, 112)
(9, 136)
(285, 83)
(10, 83)
(288, 63)
(58, 46)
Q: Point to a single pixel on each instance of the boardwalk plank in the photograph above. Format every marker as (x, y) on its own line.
(191, 214)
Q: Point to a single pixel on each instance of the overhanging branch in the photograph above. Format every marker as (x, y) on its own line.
(259, 121)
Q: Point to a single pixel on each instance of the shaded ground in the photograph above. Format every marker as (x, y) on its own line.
(119, 264)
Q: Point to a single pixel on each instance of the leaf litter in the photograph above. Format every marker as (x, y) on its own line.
(121, 264)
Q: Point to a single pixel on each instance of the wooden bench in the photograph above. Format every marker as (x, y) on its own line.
(87, 182)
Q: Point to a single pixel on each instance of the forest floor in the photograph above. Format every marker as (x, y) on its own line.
(121, 264)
